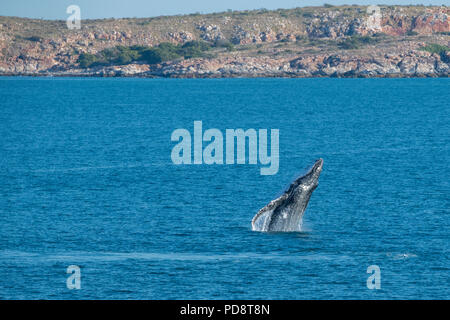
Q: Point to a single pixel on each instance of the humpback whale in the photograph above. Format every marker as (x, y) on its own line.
(286, 212)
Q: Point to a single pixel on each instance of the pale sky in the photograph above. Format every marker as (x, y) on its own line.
(91, 9)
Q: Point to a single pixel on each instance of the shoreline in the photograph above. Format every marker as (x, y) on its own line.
(225, 76)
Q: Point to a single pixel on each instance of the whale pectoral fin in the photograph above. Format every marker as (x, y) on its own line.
(261, 220)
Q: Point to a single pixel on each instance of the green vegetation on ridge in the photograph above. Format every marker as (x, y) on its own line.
(356, 42)
(438, 49)
(165, 51)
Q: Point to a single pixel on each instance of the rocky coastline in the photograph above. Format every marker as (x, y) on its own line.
(302, 42)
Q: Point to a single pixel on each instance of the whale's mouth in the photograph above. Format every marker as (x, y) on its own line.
(316, 167)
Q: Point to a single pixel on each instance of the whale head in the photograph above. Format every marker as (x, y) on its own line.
(309, 181)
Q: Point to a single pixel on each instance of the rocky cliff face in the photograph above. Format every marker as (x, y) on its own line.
(409, 64)
(297, 42)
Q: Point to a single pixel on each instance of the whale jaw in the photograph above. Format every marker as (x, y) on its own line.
(285, 213)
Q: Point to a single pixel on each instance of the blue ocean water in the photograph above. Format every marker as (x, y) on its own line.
(86, 179)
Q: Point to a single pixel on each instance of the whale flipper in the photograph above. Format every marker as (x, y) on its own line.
(261, 220)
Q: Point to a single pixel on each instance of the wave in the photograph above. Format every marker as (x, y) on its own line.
(80, 257)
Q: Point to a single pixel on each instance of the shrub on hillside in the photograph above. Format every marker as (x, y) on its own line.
(165, 51)
(224, 43)
(356, 42)
(438, 49)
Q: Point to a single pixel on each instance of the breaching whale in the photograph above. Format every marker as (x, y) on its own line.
(286, 212)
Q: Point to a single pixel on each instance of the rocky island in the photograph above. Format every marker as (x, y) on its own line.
(328, 41)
